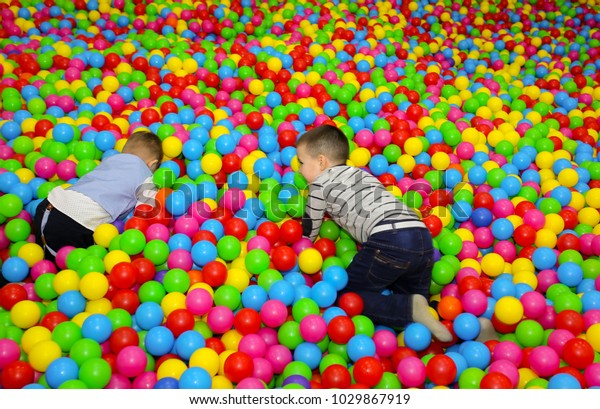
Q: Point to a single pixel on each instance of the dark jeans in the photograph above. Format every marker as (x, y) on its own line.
(397, 260)
(60, 231)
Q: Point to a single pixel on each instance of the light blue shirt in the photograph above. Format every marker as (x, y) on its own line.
(116, 183)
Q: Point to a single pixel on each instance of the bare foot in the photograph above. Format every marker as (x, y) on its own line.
(422, 315)
(488, 332)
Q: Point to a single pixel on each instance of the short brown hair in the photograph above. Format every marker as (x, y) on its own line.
(326, 140)
(146, 142)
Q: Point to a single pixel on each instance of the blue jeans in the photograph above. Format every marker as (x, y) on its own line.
(397, 260)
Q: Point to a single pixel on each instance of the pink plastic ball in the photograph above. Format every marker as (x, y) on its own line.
(548, 318)
(147, 380)
(382, 138)
(450, 290)
(558, 338)
(200, 211)
(198, 301)
(508, 351)
(157, 231)
(301, 245)
(9, 352)
(313, 328)
(66, 169)
(253, 345)
(469, 250)
(466, 272)
(118, 381)
(386, 343)
(590, 318)
(465, 150)
(364, 138)
(411, 372)
(4, 241)
(259, 242)
(506, 367)
(249, 142)
(45, 168)
(592, 375)
(180, 258)
(545, 279)
(250, 383)
(506, 249)
(61, 256)
(534, 218)
(273, 313)
(31, 294)
(269, 335)
(544, 361)
(42, 267)
(233, 199)
(475, 302)
(503, 208)
(220, 319)
(131, 361)
(484, 237)
(278, 356)
(263, 369)
(186, 225)
(534, 304)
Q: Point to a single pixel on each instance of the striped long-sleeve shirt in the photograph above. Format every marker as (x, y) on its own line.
(354, 199)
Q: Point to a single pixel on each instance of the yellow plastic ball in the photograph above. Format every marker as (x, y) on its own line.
(523, 264)
(440, 161)
(508, 310)
(360, 157)
(172, 146)
(310, 261)
(413, 146)
(231, 339)
(526, 277)
(568, 177)
(211, 163)
(221, 382)
(492, 264)
(256, 87)
(25, 314)
(589, 216)
(34, 335)
(110, 84)
(593, 336)
(104, 234)
(206, 358)
(42, 354)
(526, 375)
(171, 302)
(93, 285)
(592, 198)
(115, 257)
(31, 253)
(66, 280)
(171, 368)
(546, 238)
(100, 306)
(237, 278)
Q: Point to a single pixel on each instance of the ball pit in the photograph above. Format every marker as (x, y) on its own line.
(482, 116)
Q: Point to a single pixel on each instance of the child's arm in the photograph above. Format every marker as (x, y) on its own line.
(313, 212)
(146, 192)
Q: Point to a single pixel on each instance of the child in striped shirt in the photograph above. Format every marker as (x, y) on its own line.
(397, 249)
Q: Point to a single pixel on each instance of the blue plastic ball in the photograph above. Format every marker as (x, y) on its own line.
(417, 336)
(254, 297)
(476, 353)
(15, 269)
(323, 293)
(187, 343)
(148, 315)
(308, 353)
(61, 370)
(359, 346)
(337, 276)
(97, 327)
(159, 341)
(71, 303)
(466, 326)
(563, 381)
(203, 252)
(195, 378)
(283, 291)
(166, 383)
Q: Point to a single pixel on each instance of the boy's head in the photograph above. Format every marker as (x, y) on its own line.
(321, 148)
(147, 146)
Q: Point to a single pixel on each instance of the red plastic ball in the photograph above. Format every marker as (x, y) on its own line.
(215, 344)
(495, 380)
(571, 321)
(16, 375)
(401, 353)
(368, 371)
(204, 235)
(270, 231)
(351, 303)
(238, 366)
(284, 258)
(122, 275)
(214, 273)
(441, 370)
(255, 120)
(336, 376)
(247, 321)
(236, 227)
(145, 270)
(525, 235)
(291, 231)
(578, 353)
(123, 337)
(11, 294)
(126, 299)
(326, 247)
(52, 319)
(340, 329)
(179, 321)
